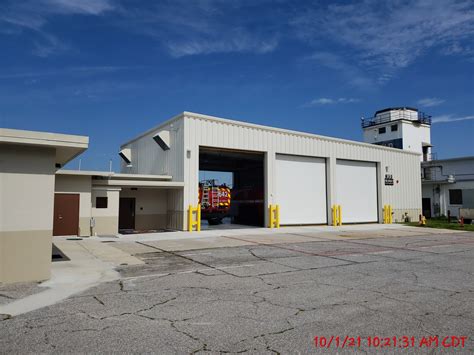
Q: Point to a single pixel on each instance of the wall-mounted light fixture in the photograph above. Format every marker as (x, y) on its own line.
(162, 138)
(126, 155)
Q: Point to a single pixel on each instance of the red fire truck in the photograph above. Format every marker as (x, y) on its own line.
(214, 200)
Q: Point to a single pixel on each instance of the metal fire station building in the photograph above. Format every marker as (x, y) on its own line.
(305, 174)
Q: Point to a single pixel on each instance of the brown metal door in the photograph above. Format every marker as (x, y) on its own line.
(66, 214)
(127, 213)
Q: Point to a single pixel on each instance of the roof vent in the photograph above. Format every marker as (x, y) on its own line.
(126, 155)
(163, 139)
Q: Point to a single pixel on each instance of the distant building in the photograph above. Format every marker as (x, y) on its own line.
(447, 185)
(400, 127)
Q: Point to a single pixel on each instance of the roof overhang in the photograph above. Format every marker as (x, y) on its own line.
(111, 179)
(67, 146)
(113, 175)
(139, 183)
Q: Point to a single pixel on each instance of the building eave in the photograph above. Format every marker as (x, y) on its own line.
(67, 146)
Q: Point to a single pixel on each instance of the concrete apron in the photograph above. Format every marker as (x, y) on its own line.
(83, 271)
(323, 229)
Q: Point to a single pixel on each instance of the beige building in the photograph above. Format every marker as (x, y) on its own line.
(28, 163)
(96, 198)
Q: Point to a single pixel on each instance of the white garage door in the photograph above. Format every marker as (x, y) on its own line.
(356, 191)
(301, 189)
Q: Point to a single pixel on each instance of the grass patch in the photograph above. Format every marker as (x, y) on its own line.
(442, 223)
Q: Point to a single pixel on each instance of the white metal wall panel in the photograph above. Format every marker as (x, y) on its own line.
(356, 191)
(301, 189)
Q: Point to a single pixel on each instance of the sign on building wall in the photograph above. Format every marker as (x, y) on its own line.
(388, 180)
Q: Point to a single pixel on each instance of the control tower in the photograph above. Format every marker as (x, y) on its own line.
(400, 127)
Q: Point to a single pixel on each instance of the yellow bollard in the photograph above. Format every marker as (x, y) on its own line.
(197, 223)
(336, 215)
(387, 214)
(274, 216)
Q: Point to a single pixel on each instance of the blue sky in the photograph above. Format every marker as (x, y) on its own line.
(111, 69)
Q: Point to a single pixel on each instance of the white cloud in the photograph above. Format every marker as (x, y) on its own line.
(33, 15)
(430, 102)
(208, 26)
(88, 7)
(242, 43)
(182, 27)
(388, 35)
(451, 118)
(329, 101)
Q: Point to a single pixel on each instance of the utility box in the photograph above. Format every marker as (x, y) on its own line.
(467, 214)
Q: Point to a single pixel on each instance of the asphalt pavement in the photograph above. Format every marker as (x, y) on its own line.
(396, 293)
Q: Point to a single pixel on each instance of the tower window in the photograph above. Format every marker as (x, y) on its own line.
(394, 128)
(382, 130)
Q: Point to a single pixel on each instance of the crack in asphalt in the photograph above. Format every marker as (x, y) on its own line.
(7, 297)
(98, 300)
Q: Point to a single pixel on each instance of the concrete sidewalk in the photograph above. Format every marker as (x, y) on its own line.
(90, 264)
(354, 230)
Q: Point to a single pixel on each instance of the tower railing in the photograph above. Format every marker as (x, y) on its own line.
(385, 117)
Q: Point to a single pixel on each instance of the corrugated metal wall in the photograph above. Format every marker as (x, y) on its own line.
(149, 158)
(194, 130)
